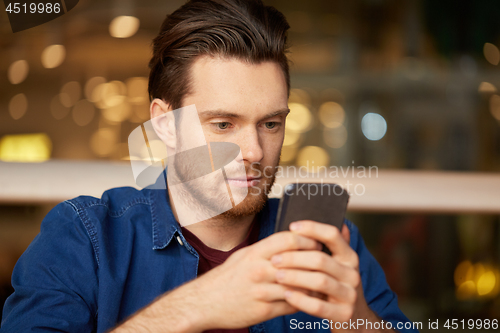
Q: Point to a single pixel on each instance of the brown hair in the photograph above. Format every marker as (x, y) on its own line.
(243, 29)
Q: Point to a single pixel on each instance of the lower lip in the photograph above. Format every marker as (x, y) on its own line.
(243, 183)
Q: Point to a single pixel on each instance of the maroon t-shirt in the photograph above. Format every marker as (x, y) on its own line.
(210, 258)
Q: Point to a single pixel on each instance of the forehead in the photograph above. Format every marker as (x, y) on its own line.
(234, 85)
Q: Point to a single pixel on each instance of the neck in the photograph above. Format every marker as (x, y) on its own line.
(219, 232)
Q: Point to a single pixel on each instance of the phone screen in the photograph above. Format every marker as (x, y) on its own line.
(325, 203)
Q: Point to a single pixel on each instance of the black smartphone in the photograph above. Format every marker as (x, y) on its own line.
(326, 203)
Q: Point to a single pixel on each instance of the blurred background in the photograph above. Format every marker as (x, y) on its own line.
(401, 85)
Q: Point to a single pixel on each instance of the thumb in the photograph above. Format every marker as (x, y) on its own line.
(346, 234)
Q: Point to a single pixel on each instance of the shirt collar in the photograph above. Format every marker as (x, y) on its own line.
(165, 225)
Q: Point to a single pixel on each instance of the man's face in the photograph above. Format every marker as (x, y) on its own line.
(245, 104)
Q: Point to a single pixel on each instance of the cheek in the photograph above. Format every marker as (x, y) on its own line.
(272, 148)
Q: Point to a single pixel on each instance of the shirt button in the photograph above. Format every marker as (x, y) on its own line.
(179, 240)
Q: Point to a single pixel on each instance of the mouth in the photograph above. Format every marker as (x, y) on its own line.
(244, 182)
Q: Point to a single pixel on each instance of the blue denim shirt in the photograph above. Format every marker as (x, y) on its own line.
(98, 261)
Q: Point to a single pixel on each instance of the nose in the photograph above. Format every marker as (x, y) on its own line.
(251, 147)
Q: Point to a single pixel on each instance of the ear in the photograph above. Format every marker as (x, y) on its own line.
(163, 121)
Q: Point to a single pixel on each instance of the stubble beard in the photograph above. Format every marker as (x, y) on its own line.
(256, 198)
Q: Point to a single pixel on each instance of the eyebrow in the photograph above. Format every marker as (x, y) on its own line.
(227, 114)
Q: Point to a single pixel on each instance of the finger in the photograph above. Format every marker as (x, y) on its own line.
(346, 234)
(317, 261)
(284, 241)
(330, 236)
(271, 292)
(280, 308)
(319, 282)
(319, 308)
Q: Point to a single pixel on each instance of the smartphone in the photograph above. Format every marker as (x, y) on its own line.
(326, 203)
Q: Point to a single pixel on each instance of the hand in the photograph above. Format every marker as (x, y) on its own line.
(243, 290)
(336, 276)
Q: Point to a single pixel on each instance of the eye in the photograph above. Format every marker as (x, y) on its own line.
(223, 125)
(271, 124)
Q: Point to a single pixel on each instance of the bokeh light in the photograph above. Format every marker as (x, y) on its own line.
(53, 56)
(331, 114)
(466, 290)
(107, 95)
(478, 270)
(18, 71)
(137, 89)
(486, 283)
(373, 126)
(90, 85)
(103, 141)
(491, 53)
(299, 119)
(25, 148)
(495, 106)
(117, 113)
(288, 154)
(299, 96)
(124, 26)
(478, 280)
(18, 106)
(486, 87)
(313, 157)
(291, 138)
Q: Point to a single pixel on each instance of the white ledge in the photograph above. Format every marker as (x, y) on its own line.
(390, 191)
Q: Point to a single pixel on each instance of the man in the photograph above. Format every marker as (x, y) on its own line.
(126, 263)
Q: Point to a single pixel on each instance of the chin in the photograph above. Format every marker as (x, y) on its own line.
(249, 206)
(253, 203)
